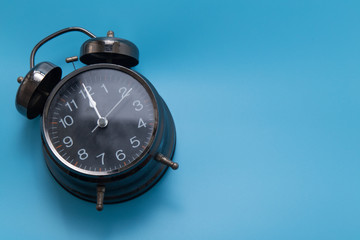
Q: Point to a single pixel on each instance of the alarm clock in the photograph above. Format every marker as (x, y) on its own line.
(107, 135)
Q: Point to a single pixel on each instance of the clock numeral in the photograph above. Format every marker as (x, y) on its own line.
(66, 121)
(138, 106)
(83, 154)
(124, 93)
(102, 155)
(134, 142)
(84, 94)
(104, 87)
(141, 123)
(120, 155)
(68, 141)
(72, 102)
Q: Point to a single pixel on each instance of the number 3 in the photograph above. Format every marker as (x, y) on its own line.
(138, 106)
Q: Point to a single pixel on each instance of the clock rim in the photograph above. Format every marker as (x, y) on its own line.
(65, 165)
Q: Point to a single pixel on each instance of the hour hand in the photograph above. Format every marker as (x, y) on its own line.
(102, 121)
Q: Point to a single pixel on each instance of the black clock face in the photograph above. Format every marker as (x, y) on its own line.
(100, 121)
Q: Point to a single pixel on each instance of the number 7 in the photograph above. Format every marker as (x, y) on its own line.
(102, 155)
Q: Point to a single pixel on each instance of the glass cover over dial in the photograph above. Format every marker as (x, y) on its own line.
(101, 121)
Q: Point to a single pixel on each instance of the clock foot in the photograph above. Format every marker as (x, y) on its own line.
(100, 198)
(164, 160)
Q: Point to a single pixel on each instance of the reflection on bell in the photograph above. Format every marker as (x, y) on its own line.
(35, 88)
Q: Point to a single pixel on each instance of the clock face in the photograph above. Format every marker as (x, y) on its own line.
(100, 121)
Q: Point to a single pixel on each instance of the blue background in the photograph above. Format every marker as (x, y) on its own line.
(265, 96)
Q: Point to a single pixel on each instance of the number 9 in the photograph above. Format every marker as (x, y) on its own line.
(68, 141)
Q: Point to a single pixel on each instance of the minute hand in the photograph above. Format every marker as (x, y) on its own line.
(122, 98)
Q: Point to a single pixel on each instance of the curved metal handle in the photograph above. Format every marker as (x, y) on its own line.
(51, 36)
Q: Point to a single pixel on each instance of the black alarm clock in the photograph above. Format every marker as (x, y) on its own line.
(107, 135)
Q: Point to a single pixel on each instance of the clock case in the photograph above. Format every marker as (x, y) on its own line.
(130, 182)
(38, 88)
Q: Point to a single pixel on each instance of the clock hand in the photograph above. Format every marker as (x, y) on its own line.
(112, 109)
(122, 98)
(92, 103)
(102, 121)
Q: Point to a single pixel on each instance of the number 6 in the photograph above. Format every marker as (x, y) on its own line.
(120, 155)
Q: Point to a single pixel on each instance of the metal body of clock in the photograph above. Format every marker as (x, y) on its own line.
(107, 134)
